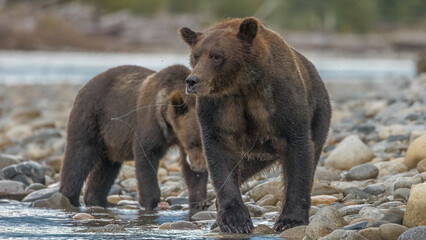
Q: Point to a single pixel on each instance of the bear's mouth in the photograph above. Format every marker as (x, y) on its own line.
(190, 90)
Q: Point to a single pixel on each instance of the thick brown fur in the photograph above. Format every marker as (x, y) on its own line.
(132, 113)
(259, 102)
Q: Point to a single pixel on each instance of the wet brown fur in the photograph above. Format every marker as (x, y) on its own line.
(259, 102)
(132, 113)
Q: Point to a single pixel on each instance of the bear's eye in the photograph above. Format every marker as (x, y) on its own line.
(196, 57)
(216, 57)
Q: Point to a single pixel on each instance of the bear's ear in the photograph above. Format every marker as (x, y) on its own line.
(178, 105)
(248, 30)
(189, 36)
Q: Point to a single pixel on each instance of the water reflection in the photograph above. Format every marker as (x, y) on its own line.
(18, 221)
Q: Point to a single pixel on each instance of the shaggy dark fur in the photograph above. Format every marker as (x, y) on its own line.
(129, 113)
(259, 102)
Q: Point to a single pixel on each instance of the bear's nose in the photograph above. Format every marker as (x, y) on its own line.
(191, 81)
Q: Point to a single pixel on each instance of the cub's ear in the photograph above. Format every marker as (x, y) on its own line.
(178, 105)
(248, 30)
(189, 36)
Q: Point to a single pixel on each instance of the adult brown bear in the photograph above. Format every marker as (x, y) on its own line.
(259, 102)
(128, 113)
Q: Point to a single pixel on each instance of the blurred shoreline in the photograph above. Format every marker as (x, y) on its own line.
(75, 26)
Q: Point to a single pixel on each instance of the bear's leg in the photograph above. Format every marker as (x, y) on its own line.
(319, 127)
(197, 186)
(99, 183)
(232, 214)
(78, 162)
(148, 153)
(297, 174)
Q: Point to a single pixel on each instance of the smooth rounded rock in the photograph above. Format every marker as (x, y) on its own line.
(416, 206)
(262, 229)
(391, 167)
(34, 187)
(267, 200)
(270, 187)
(362, 172)
(257, 211)
(371, 212)
(296, 233)
(177, 200)
(165, 226)
(371, 233)
(415, 233)
(375, 189)
(7, 160)
(350, 152)
(130, 183)
(391, 231)
(11, 187)
(322, 199)
(416, 152)
(83, 216)
(182, 225)
(40, 194)
(56, 201)
(115, 199)
(324, 222)
(401, 194)
(421, 166)
(204, 215)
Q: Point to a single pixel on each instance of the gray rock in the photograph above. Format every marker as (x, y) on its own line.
(350, 152)
(42, 136)
(11, 187)
(7, 160)
(371, 212)
(204, 215)
(362, 172)
(388, 205)
(402, 183)
(375, 189)
(402, 194)
(33, 170)
(354, 193)
(324, 222)
(34, 187)
(181, 225)
(324, 173)
(370, 233)
(263, 189)
(296, 233)
(352, 209)
(23, 179)
(56, 201)
(262, 229)
(270, 216)
(356, 226)
(41, 194)
(415, 233)
(393, 215)
(257, 211)
(9, 172)
(176, 200)
(337, 235)
(391, 231)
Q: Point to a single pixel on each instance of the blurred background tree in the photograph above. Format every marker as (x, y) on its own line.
(346, 16)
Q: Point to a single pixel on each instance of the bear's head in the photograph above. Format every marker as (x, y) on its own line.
(182, 117)
(221, 57)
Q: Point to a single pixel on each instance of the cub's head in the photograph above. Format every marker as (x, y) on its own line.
(181, 114)
(219, 55)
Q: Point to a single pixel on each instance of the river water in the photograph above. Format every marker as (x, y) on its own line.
(78, 67)
(18, 221)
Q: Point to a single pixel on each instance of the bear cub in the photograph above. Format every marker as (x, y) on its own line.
(132, 113)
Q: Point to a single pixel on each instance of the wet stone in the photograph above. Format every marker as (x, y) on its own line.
(40, 194)
(296, 233)
(177, 200)
(34, 187)
(391, 231)
(262, 229)
(375, 189)
(204, 215)
(56, 201)
(356, 226)
(182, 225)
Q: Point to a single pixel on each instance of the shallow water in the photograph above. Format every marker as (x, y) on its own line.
(18, 221)
(18, 67)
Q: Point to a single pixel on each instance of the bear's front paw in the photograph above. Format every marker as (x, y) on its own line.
(234, 219)
(149, 203)
(284, 223)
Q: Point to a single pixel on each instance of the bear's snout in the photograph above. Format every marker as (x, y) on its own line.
(191, 81)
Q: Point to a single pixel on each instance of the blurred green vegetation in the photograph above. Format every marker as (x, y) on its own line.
(346, 16)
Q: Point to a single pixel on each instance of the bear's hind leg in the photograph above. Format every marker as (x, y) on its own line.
(99, 182)
(78, 162)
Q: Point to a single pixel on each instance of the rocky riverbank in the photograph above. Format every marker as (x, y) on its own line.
(370, 182)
